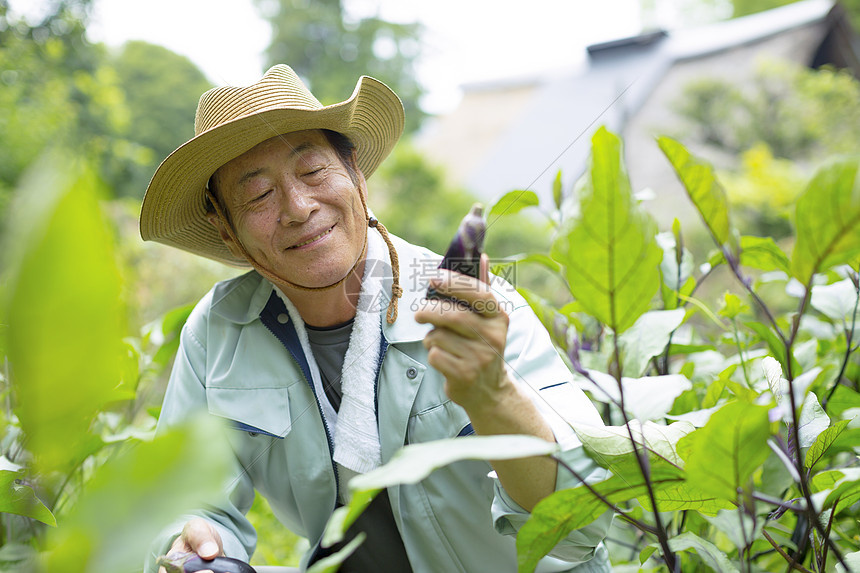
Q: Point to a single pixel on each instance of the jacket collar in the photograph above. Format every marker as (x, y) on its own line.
(242, 299)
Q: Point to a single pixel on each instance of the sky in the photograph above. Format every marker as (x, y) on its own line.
(465, 41)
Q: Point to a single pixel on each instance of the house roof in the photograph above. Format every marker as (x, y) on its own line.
(548, 125)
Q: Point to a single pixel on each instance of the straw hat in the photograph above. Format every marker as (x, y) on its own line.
(232, 120)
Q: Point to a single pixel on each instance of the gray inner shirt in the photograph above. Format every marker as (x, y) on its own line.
(329, 346)
(382, 550)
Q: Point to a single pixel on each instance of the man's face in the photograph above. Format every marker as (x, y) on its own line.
(295, 208)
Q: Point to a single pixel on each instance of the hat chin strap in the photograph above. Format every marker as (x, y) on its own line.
(396, 289)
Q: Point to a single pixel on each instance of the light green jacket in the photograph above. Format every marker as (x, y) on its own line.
(459, 519)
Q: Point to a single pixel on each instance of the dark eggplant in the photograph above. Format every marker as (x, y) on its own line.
(191, 562)
(464, 252)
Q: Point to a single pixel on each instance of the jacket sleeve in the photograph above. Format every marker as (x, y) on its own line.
(186, 395)
(533, 362)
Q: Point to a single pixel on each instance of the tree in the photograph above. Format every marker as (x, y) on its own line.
(158, 122)
(329, 50)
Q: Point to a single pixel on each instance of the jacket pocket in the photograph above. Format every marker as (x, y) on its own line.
(445, 420)
(253, 410)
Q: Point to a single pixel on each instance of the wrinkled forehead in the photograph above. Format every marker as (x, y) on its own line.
(293, 142)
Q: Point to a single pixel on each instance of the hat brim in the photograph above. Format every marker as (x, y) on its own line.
(174, 207)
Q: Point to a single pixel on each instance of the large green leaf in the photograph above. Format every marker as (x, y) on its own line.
(19, 498)
(566, 510)
(64, 312)
(415, 462)
(608, 445)
(608, 250)
(136, 494)
(827, 221)
(702, 186)
(722, 455)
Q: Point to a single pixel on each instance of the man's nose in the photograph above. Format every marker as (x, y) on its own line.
(296, 206)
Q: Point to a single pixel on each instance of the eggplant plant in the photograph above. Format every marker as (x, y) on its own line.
(730, 438)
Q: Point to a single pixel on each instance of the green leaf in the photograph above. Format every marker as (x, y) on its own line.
(762, 253)
(540, 259)
(549, 317)
(845, 486)
(647, 338)
(646, 398)
(608, 250)
(715, 559)
(836, 301)
(20, 499)
(827, 221)
(64, 312)
(843, 399)
(610, 446)
(702, 186)
(823, 441)
(557, 515)
(813, 421)
(557, 196)
(685, 496)
(722, 455)
(774, 344)
(852, 560)
(415, 462)
(513, 202)
(137, 493)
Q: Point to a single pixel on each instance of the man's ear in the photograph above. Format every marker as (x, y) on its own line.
(225, 236)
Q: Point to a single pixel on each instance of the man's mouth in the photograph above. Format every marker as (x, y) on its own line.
(312, 239)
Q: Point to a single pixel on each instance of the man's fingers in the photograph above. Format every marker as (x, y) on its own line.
(200, 536)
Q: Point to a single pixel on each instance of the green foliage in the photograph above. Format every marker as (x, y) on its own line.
(613, 284)
(740, 433)
(718, 456)
(82, 486)
(156, 124)
(329, 48)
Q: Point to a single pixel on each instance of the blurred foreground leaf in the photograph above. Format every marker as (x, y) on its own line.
(133, 496)
(415, 462)
(63, 310)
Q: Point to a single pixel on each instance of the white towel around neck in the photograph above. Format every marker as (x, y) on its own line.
(356, 434)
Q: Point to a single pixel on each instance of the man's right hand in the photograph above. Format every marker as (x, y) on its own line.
(200, 537)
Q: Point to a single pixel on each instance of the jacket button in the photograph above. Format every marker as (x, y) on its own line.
(283, 318)
(411, 372)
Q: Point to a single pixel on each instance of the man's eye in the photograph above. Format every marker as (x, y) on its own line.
(261, 196)
(314, 171)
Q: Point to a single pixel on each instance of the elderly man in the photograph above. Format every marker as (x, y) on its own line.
(319, 360)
